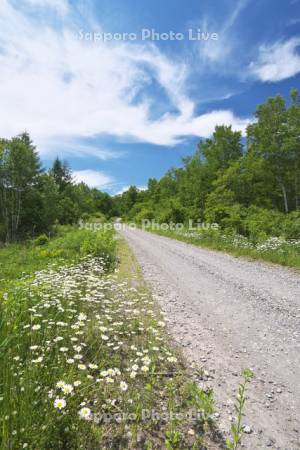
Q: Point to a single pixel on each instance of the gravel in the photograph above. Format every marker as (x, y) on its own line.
(226, 314)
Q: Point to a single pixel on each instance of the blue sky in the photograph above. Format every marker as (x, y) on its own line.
(122, 109)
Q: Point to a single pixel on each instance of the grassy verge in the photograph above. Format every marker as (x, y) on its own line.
(275, 250)
(84, 358)
(69, 245)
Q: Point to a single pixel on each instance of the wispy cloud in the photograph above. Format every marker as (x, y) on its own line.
(218, 51)
(93, 178)
(61, 88)
(277, 61)
(60, 6)
(73, 148)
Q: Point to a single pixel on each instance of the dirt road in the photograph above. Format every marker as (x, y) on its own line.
(227, 314)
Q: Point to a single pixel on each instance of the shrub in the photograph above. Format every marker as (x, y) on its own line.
(260, 223)
(43, 239)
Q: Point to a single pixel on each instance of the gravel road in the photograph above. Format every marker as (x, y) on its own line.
(226, 314)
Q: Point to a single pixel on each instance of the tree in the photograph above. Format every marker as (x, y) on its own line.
(222, 149)
(292, 144)
(61, 173)
(19, 170)
(266, 139)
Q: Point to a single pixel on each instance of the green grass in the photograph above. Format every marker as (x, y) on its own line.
(85, 362)
(286, 254)
(69, 245)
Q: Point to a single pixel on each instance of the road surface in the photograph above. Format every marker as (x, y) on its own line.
(228, 313)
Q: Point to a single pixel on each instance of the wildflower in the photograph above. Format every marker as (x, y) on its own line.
(50, 393)
(123, 386)
(77, 348)
(82, 317)
(133, 374)
(77, 383)
(93, 366)
(33, 347)
(36, 327)
(145, 369)
(172, 359)
(81, 366)
(67, 389)
(38, 360)
(63, 349)
(146, 360)
(85, 413)
(104, 337)
(59, 403)
(60, 384)
(109, 380)
(70, 360)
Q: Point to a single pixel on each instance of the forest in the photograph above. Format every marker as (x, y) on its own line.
(249, 184)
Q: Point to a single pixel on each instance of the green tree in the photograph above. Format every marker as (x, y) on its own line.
(19, 170)
(61, 173)
(267, 139)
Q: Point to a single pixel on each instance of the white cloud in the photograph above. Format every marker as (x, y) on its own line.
(216, 52)
(125, 189)
(67, 148)
(93, 178)
(278, 61)
(60, 6)
(61, 89)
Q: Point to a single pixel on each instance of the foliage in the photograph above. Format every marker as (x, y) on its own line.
(84, 358)
(250, 187)
(237, 428)
(33, 201)
(69, 244)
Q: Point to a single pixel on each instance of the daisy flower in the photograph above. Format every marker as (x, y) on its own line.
(85, 413)
(123, 386)
(59, 403)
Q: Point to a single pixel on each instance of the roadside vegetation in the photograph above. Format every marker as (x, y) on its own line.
(85, 359)
(273, 249)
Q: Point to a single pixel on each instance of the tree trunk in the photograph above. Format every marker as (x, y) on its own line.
(286, 207)
(296, 188)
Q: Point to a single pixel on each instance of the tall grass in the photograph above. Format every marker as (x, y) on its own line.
(69, 245)
(84, 358)
(273, 249)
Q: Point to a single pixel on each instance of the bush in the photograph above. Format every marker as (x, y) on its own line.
(77, 243)
(260, 223)
(100, 243)
(43, 239)
(291, 225)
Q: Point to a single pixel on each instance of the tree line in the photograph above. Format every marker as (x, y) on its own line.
(33, 199)
(250, 185)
